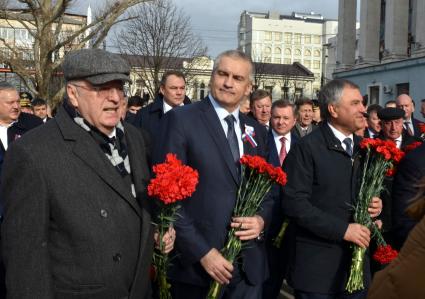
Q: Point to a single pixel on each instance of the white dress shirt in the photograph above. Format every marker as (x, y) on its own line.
(341, 136)
(279, 144)
(222, 114)
(3, 135)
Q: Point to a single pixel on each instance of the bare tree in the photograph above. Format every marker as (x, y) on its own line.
(158, 38)
(45, 21)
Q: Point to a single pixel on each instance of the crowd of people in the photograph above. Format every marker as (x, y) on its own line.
(77, 221)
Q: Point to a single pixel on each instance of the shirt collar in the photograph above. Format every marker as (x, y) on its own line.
(221, 112)
(339, 135)
(277, 136)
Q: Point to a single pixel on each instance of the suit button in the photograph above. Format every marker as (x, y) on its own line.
(103, 213)
(117, 257)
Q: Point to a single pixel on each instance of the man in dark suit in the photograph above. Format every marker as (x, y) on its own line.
(405, 187)
(373, 123)
(319, 196)
(411, 124)
(280, 141)
(391, 120)
(260, 104)
(39, 108)
(172, 94)
(76, 223)
(210, 136)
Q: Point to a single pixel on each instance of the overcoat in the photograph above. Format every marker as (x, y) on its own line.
(72, 228)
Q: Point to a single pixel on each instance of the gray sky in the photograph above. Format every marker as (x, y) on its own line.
(216, 21)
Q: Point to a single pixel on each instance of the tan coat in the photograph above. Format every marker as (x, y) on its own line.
(404, 278)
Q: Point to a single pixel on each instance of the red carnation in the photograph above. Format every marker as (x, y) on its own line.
(174, 181)
(385, 254)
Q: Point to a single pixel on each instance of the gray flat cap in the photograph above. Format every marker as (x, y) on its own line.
(96, 66)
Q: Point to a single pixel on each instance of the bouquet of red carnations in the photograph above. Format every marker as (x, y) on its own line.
(258, 177)
(380, 159)
(173, 182)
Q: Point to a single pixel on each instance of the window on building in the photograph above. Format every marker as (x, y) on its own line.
(278, 36)
(316, 39)
(277, 60)
(402, 88)
(267, 35)
(297, 38)
(298, 93)
(288, 37)
(269, 89)
(316, 53)
(287, 51)
(277, 51)
(202, 91)
(307, 39)
(268, 51)
(307, 52)
(287, 61)
(307, 63)
(316, 64)
(268, 60)
(297, 52)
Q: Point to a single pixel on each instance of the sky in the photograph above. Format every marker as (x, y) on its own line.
(216, 21)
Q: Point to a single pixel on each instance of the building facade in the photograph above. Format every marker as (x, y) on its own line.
(281, 39)
(388, 56)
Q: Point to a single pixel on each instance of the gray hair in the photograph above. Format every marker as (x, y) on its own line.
(4, 85)
(235, 54)
(331, 94)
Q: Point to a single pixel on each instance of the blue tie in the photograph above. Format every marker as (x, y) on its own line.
(231, 137)
(348, 147)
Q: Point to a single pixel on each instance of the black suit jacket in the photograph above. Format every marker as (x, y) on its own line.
(410, 170)
(24, 123)
(416, 128)
(149, 117)
(195, 134)
(318, 199)
(81, 232)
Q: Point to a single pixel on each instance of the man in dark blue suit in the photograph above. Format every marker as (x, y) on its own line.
(172, 94)
(211, 136)
(411, 124)
(280, 140)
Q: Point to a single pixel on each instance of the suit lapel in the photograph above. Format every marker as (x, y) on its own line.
(213, 125)
(90, 154)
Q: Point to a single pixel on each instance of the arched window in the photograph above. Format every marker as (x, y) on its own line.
(297, 52)
(287, 51)
(316, 53)
(307, 52)
(277, 51)
(267, 50)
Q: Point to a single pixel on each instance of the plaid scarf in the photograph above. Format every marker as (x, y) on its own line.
(115, 148)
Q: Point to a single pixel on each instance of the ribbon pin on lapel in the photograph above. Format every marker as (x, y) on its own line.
(248, 135)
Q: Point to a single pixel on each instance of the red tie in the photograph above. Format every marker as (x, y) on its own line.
(282, 154)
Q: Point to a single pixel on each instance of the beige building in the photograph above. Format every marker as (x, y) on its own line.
(281, 39)
(282, 81)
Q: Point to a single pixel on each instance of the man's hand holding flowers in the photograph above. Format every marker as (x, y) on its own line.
(248, 227)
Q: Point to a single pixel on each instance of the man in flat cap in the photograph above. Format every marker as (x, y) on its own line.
(76, 221)
(392, 127)
(391, 120)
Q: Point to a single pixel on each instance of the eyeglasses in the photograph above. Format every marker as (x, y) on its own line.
(103, 90)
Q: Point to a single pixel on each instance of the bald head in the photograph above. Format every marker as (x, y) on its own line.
(405, 102)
